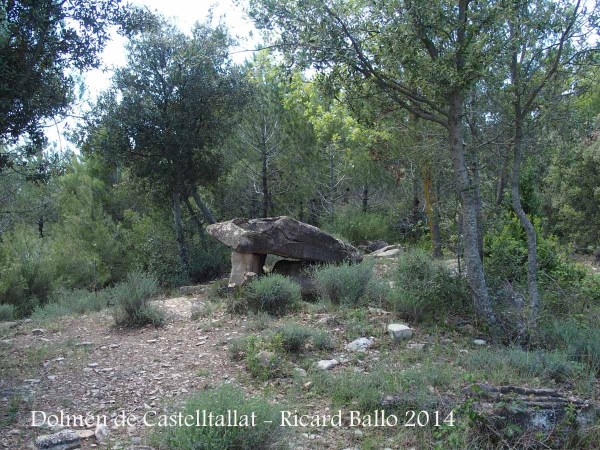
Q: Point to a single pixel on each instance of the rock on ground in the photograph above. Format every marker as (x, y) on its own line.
(63, 440)
(399, 331)
(282, 236)
(360, 344)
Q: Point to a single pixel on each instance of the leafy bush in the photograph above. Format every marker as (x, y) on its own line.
(357, 226)
(565, 285)
(273, 294)
(579, 341)
(78, 301)
(26, 270)
(210, 262)
(348, 284)
(294, 338)
(260, 354)
(425, 289)
(131, 300)
(7, 312)
(263, 435)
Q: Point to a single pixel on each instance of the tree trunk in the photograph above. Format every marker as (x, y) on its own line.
(265, 185)
(196, 220)
(469, 198)
(331, 183)
(534, 294)
(206, 212)
(365, 198)
(502, 180)
(431, 209)
(179, 236)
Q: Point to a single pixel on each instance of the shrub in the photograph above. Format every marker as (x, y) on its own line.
(357, 226)
(554, 365)
(425, 289)
(263, 435)
(26, 270)
(131, 300)
(348, 284)
(273, 294)
(578, 340)
(365, 391)
(259, 353)
(78, 301)
(294, 338)
(7, 312)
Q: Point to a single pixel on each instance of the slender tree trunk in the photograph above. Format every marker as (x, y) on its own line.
(206, 212)
(331, 183)
(365, 198)
(534, 294)
(476, 184)
(179, 235)
(431, 209)
(265, 185)
(502, 180)
(469, 198)
(196, 220)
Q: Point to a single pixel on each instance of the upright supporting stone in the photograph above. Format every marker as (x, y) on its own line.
(242, 263)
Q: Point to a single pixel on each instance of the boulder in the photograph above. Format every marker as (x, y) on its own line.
(299, 271)
(360, 344)
(63, 440)
(373, 246)
(399, 331)
(327, 364)
(243, 263)
(282, 236)
(391, 251)
(531, 411)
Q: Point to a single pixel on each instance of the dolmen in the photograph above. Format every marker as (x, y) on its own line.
(302, 245)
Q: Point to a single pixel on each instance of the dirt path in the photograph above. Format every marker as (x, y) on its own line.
(86, 366)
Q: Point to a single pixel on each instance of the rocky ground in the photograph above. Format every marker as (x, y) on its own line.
(84, 365)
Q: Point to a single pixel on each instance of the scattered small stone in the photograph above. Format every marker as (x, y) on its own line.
(33, 381)
(300, 372)
(327, 364)
(85, 434)
(85, 344)
(38, 331)
(93, 365)
(358, 432)
(417, 346)
(151, 341)
(399, 331)
(479, 342)
(114, 345)
(51, 377)
(63, 440)
(101, 432)
(15, 432)
(360, 344)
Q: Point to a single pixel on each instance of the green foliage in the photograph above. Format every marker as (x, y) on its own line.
(424, 289)
(365, 391)
(26, 270)
(131, 299)
(348, 284)
(260, 354)
(547, 365)
(295, 338)
(566, 285)
(7, 312)
(273, 294)
(577, 339)
(78, 301)
(226, 398)
(574, 196)
(358, 227)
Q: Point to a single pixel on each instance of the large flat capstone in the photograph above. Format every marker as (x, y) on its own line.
(282, 236)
